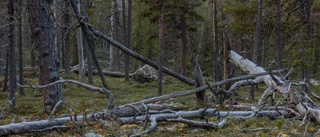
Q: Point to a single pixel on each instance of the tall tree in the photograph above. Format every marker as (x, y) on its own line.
(184, 41)
(89, 57)
(66, 43)
(82, 74)
(125, 39)
(161, 44)
(39, 16)
(127, 57)
(116, 29)
(256, 43)
(280, 45)
(20, 40)
(12, 66)
(216, 59)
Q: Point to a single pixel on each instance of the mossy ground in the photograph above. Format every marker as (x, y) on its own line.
(29, 108)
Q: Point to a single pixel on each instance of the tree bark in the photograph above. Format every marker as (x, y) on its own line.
(21, 49)
(12, 65)
(280, 35)
(199, 81)
(40, 15)
(6, 75)
(256, 43)
(116, 29)
(66, 42)
(184, 42)
(82, 75)
(125, 34)
(89, 58)
(126, 56)
(176, 46)
(161, 49)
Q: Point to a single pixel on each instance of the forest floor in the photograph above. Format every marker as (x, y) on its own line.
(29, 108)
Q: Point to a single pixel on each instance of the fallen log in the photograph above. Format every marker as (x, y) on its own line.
(104, 72)
(198, 89)
(60, 122)
(300, 103)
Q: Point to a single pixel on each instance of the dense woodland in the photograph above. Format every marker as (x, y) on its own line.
(198, 44)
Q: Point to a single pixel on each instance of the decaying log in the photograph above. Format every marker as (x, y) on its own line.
(299, 102)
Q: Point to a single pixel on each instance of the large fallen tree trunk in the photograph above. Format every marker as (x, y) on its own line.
(300, 103)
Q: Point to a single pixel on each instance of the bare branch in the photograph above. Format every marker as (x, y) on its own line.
(100, 90)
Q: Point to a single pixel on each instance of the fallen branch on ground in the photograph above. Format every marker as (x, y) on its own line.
(108, 73)
(104, 91)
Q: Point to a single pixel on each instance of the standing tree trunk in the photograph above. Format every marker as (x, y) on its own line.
(280, 35)
(39, 16)
(12, 65)
(161, 49)
(89, 57)
(66, 42)
(216, 59)
(176, 46)
(256, 43)
(126, 56)
(116, 29)
(21, 59)
(184, 43)
(32, 52)
(82, 74)
(5, 83)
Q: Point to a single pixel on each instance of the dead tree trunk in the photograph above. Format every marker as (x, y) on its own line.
(300, 104)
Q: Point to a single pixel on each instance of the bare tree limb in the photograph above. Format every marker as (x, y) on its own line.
(195, 90)
(100, 90)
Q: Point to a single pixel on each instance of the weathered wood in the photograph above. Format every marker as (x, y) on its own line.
(195, 90)
(300, 103)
